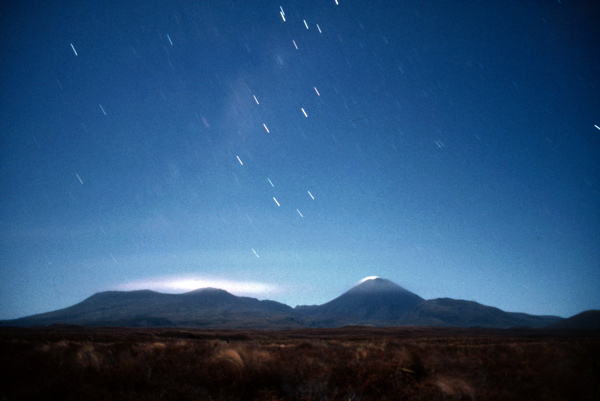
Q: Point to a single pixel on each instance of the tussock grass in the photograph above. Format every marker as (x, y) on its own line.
(344, 364)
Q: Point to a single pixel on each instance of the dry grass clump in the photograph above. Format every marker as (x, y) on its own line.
(338, 365)
(455, 388)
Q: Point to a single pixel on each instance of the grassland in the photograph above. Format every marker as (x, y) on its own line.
(77, 363)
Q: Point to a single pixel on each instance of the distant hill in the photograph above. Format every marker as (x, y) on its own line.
(373, 302)
(588, 320)
(460, 313)
(208, 307)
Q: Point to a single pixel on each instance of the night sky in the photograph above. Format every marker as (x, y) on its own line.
(285, 150)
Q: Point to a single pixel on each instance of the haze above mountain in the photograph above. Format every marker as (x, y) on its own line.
(372, 302)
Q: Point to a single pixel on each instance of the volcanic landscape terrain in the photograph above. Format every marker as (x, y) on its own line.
(377, 341)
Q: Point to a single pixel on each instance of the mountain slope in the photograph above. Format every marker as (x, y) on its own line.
(460, 313)
(206, 307)
(374, 301)
(587, 320)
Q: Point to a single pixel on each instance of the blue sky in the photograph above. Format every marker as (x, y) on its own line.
(285, 150)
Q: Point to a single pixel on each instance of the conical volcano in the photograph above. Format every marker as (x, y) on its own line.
(373, 301)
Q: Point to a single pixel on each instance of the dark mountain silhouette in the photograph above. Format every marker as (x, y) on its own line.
(587, 320)
(208, 307)
(380, 302)
(373, 302)
(460, 313)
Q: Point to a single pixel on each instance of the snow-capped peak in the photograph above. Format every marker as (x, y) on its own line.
(368, 278)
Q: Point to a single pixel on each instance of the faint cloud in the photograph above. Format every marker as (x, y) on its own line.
(185, 283)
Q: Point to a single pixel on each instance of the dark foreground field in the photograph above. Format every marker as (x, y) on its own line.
(72, 363)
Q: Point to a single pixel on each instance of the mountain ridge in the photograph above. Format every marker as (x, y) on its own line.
(373, 301)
